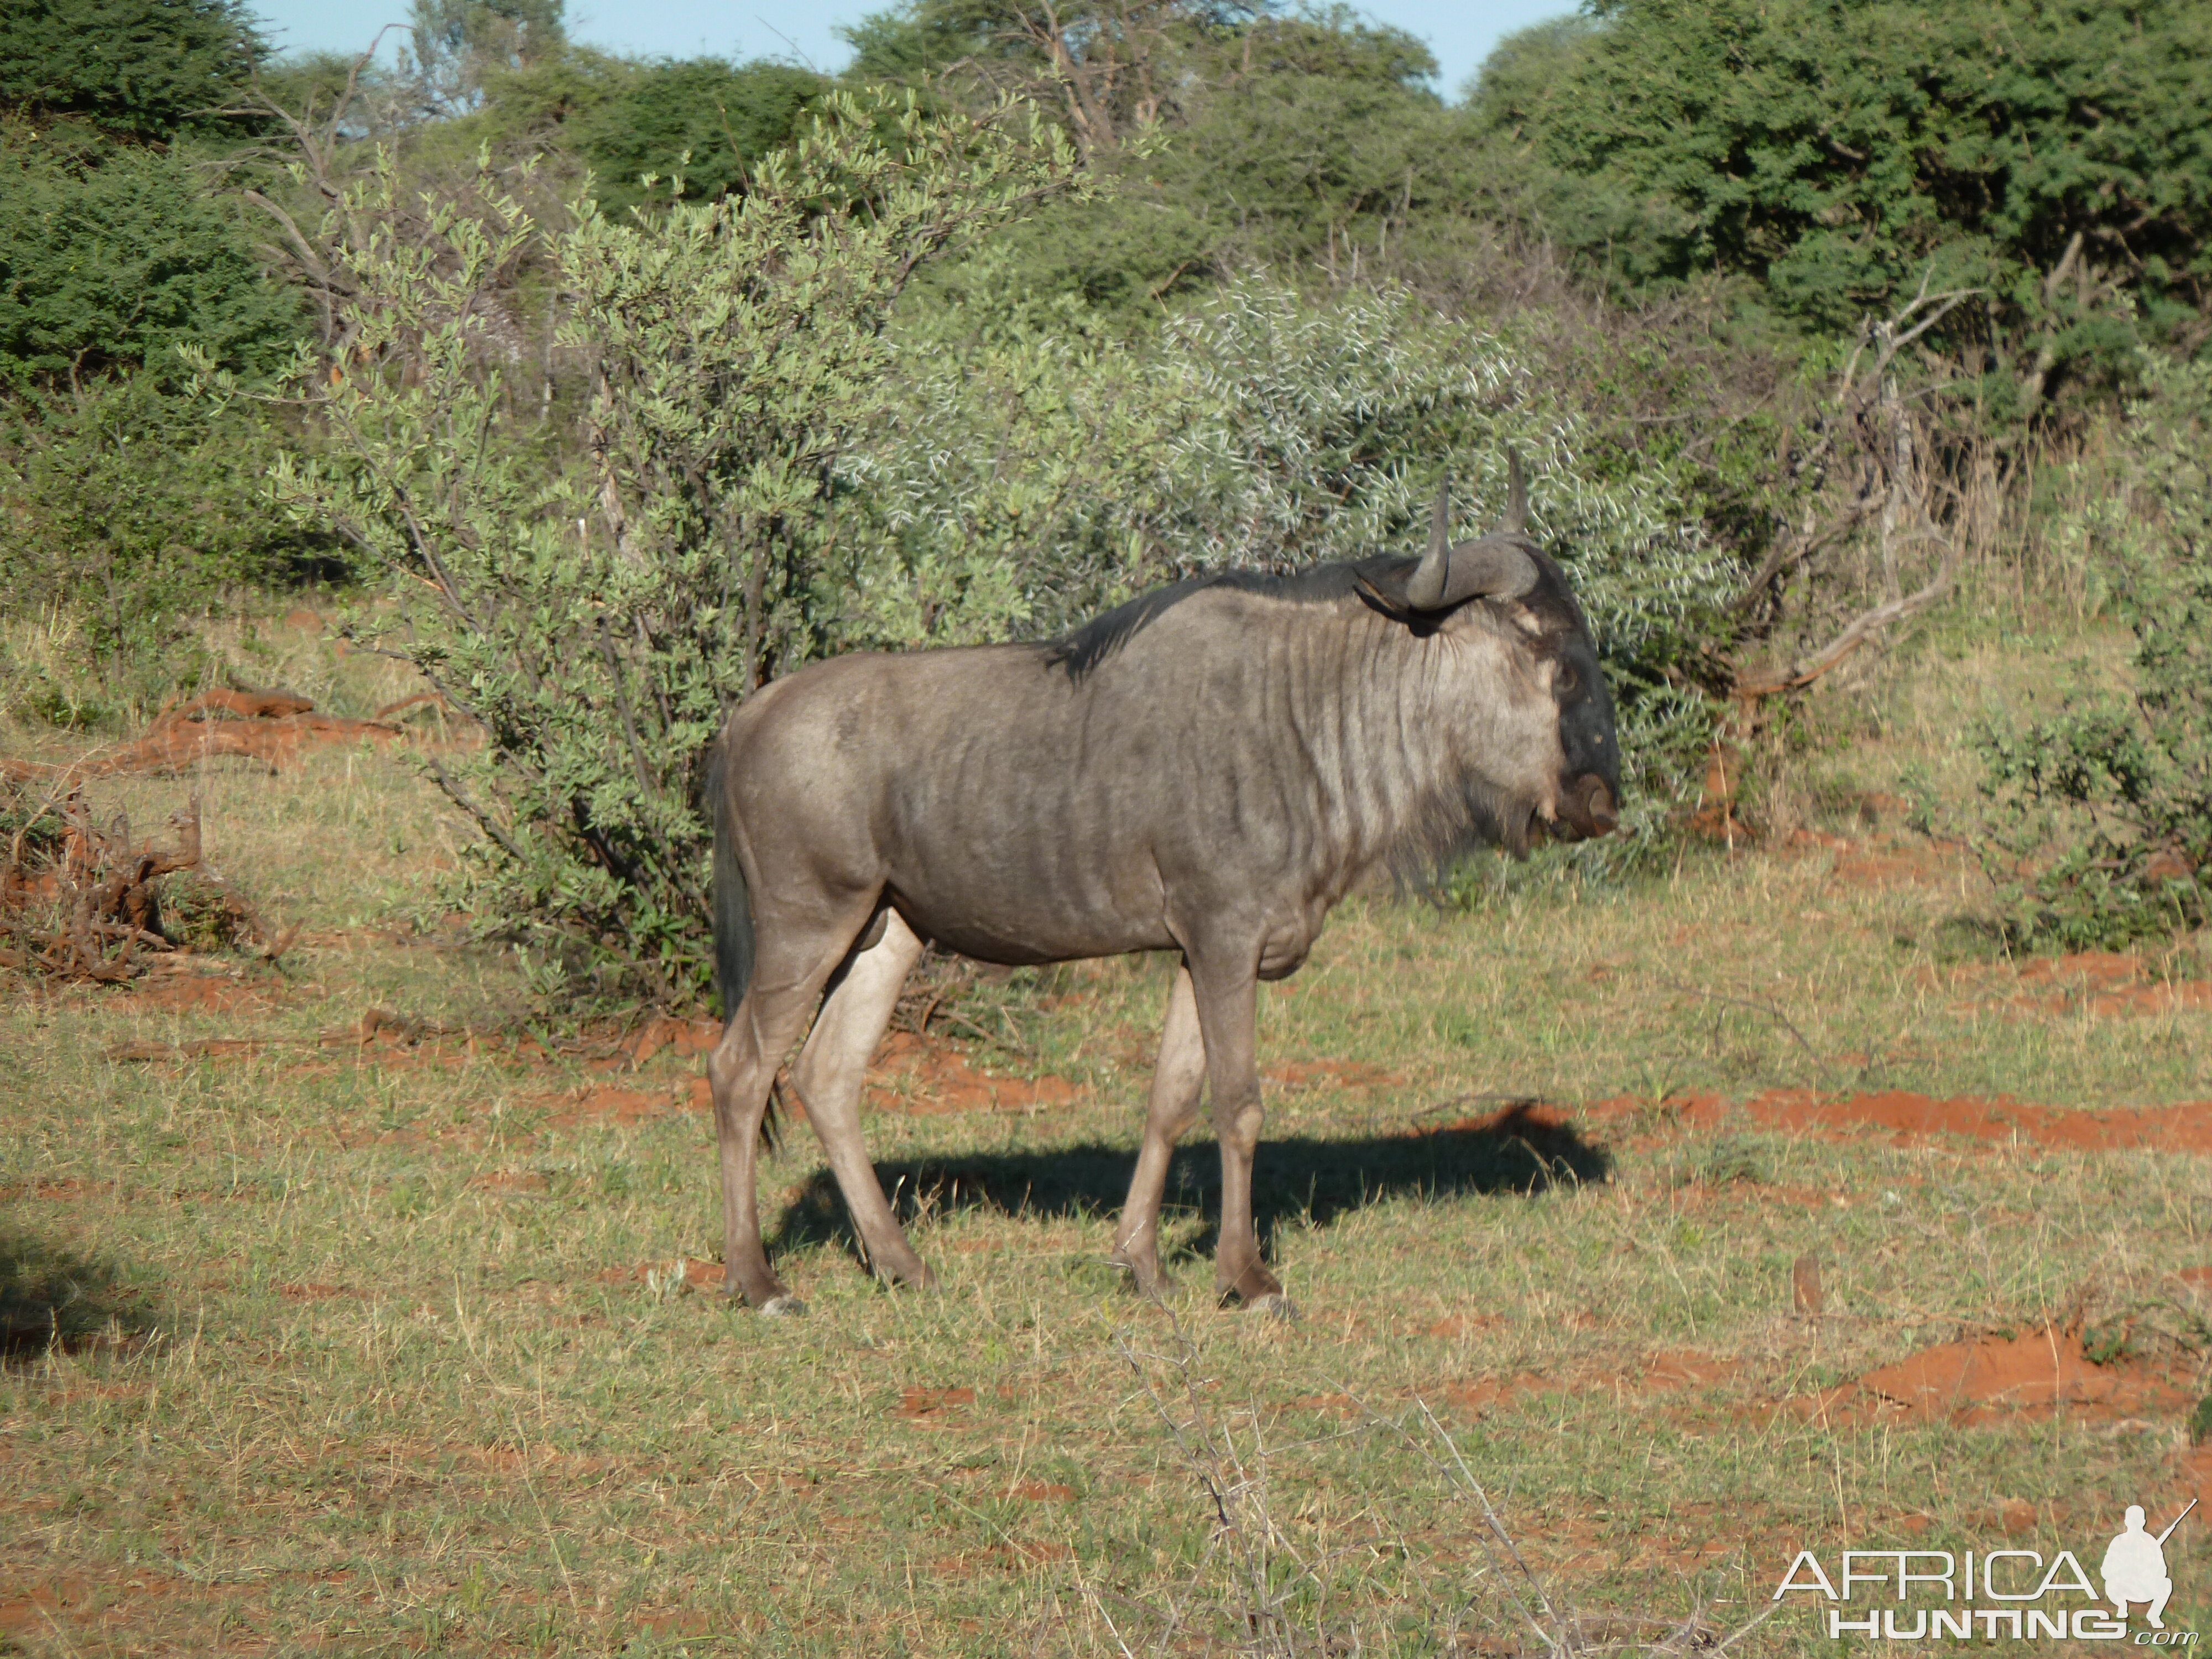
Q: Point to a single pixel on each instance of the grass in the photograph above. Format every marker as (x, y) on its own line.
(388, 1347)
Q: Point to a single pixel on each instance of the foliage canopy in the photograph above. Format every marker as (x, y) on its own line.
(2052, 154)
(142, 69)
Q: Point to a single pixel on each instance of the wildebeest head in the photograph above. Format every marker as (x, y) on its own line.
(1502, 588)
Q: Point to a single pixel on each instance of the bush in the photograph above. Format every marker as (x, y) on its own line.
(766, 470)
(128, 508)
(2101, 815)
(2052, 156)
(1036, 475)
(112, 255)
(598, 598)
(150, 69)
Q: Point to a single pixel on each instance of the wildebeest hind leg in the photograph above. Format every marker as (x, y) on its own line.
(829, 1075)
(1176, 1079)
(788, 982)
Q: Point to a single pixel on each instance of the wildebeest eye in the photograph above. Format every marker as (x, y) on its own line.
(1569, 679)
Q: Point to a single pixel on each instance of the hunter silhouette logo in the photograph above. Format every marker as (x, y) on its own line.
(2009, 1594)
(2135, 1566)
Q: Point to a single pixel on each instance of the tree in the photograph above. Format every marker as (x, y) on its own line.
(458, 46)
(2051, 154)
(149, 69)
(112, 255)
(704, 121)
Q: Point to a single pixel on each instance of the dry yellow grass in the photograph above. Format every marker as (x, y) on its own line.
(390, 1346)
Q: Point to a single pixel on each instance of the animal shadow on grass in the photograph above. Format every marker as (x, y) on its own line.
(1297, 1179)
(55, 1299)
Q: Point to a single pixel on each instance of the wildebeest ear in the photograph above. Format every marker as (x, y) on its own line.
(1496, 567)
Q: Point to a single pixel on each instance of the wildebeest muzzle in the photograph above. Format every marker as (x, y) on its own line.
(1587, 809)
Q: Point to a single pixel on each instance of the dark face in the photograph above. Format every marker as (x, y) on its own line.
(1589, 803)
(1590, 773)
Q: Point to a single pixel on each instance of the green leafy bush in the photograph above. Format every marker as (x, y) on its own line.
(2050, 155)
(148, 69)
(598, 606)
(1035, 475)
(124, 503)
(111, 255)
(129, 508)
(2101, 824)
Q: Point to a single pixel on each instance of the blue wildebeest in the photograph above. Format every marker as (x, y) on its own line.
(1206, 770)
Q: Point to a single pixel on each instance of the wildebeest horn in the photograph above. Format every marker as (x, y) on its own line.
(1424, 590)
(1494, 568)
(1516, 495)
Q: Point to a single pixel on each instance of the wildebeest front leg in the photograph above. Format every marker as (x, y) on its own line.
(1228, 1011)
(831, 1069)
(1176, 1079)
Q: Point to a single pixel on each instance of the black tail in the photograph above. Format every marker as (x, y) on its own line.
(733, 908)
(734, 931)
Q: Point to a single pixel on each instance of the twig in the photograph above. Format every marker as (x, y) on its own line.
(1759, 1007)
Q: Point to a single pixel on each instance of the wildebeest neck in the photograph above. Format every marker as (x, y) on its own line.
(1399, 744)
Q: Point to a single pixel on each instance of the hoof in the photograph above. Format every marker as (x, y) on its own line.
(786, 1306)
(1273, 1305)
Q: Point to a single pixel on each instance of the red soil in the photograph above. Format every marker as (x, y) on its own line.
(1332, 1074)
(2038, 1371)
(932, 1407)
(621, 1108)
(2103, 983)
(1683, 1368)
(1909, 1116)
(272, 727)
(912, 1075)
(213, 993)
(699, 1275)
(686, 1037)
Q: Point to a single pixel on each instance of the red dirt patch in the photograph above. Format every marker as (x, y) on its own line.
(607, 1104)
(1332, 1073)
(1965, 1382)
(2105, 983)
(931, 1407)
(271, 728)
(1479, 1396)
(698, 1275)
(2186, 1128)
(1686, 1368)
(2037, 1368)
(311, 1292)
(686, 1037)
(1042, 1492)
(507, 1180)
(213, 993)
(912, 1075)
(1878, 863)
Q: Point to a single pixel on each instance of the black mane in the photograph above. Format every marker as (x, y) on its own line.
(1083, 649)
